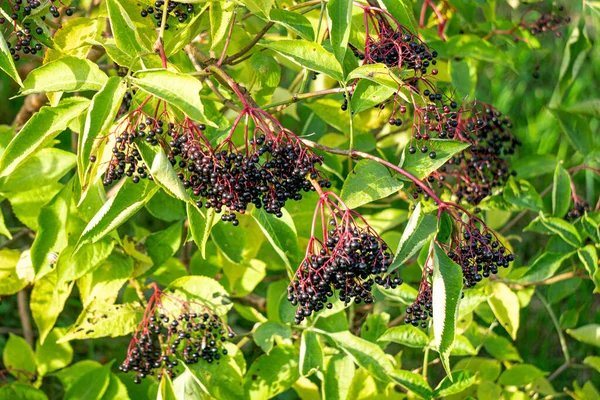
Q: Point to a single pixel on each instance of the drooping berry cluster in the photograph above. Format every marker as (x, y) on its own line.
(475, 172)
(272, 167)
(580, 207)
(349, 260)
(181, 11)
(395, 45)
(24, 43)
(165, 337)
(422, 308)
(478, 251)
(548, 21)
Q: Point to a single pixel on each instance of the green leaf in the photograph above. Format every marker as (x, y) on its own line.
(593, 361)
(52, 356)
(100, 117)
(116, 389)
(520, 375)
(7, 63)
(126, 202)
(561, 192)
(165, 389)
(271, 374)
(378, 73)
(505, 305)
(162, 245)
(309, 55)
(340, 22)
(446, 289)
(501, 348)
(522, 195)
(544, 267)
(406, 335)
(73, 38)
(402, 12)
(42, 127)
(368, 94)
(68, 74)
(563, 229)
(457, 383)
(589, 258)
(486, 368)
(590, 108)
(192, 28)
(415, 383)
(18, 355)
(100, 319)
(369, 181)
(462, 347)
(52, 235)
(365, 354)
(472, 47)
(220, 14)
(374, 326)
(589, 334)
(421, 165)
(106, 280)
(577, 129)
(180, 90)
(311, 353)
(281, 233)
(338, 377)
(48, 299)
(162, 171)
(21, 391)
(259, 6)
(234, 242)
(203, 290)
(295, 22)
(122, 27)
(72, 265)
(591, 224)
(223, 380)
(187, 386)
(420, 229)
(90, 386)
(264, 336)
(10, 281)
(200, 226)
(42, 168)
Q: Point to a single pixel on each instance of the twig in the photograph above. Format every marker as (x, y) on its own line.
(24, 316)
(227, 41)
(249, 46)
(561, 369)
(301, 96)
(561, 337)
(15, 238)
(549, 281)
(254, 300)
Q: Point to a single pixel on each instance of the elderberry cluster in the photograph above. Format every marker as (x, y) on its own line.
(475, 172)
(180, 11)
(422, 309)
(24, 43)
(479, 253)
(164, 341)
(579, 208)
(350, 261)
(548, 22)
(395, 46)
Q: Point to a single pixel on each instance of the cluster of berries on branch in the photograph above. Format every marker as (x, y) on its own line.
(17, 25)
(348, 259)
(271, 167)
(545, 21)
(474, 173)
(174, 331)
(181, 11)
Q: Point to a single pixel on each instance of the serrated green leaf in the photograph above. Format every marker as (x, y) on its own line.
(588, 256)
(421, 165)
(406, 335)
(42, 127)
(200, 226)
(126, 202)
(522, 195)
(264, 336)
(368, 94)
(220, 15)
(563, 229)
(18, 355)
(162, 171)
(7, 63)
(52, 356)
(295, 22)
(402, 12)
(338, 377)
(369, 181)
(520, 375)
(561, 192)
(544, 267)
(420, 229)
(281, 233)
(415, 383)
(311, 353)
(577, 129)
(446, 289)
(505, 305)
(122, 27)
(309, 55)
(339, 14)
(90, 386)
(68, 74)
(378, 73)
(100, 117)
(180, 90)
(48, 299)
(459, 382)
(203, 290)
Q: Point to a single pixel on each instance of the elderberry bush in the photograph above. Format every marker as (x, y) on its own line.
(349, 260)
(165, 338)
